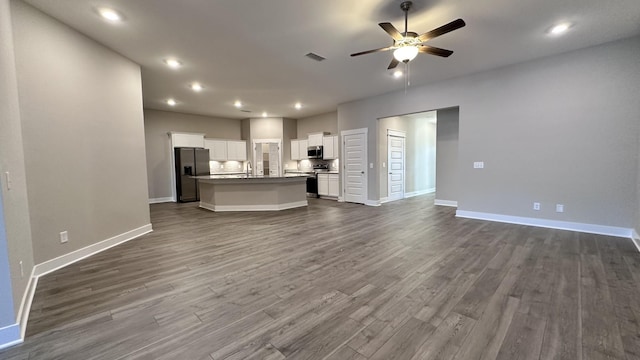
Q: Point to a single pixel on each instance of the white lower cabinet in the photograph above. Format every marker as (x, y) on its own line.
(334, 185)
(328, 185)
(323, 184)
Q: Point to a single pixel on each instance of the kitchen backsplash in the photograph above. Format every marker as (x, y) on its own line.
(307, 165)
(217, 167)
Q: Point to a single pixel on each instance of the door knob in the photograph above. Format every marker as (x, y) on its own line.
(362, 172)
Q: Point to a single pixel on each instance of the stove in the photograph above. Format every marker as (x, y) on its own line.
(312, 180)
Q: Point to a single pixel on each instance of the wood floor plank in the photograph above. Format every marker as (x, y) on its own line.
(446, 339)
(341, 281)
(600, 331)
(405, 342)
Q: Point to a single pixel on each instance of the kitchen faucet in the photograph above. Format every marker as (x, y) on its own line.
(248, 168)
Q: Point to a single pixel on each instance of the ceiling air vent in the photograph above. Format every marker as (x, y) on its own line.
(315, 57)
(247, 111)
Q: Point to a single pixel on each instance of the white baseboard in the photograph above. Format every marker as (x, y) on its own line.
(445, 203)
(161, 200)
(636, 238)
(545, 223)
(77, 255)
(276, 207)
(372, 202)
(10, 336)
(419, 192)
(340, 198)
(384, 200)
(25, 304)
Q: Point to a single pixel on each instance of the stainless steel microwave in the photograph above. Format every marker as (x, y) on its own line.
(314, 152)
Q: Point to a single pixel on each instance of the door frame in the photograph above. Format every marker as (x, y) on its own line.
(365, 159)
(403, 135)
(253, 153)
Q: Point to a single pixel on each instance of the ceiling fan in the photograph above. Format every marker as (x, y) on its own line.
(407, 45)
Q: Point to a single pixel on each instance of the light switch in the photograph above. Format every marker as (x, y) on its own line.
(384, 164)
(370, 165)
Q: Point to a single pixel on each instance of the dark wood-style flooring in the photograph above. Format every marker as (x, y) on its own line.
(406, 280)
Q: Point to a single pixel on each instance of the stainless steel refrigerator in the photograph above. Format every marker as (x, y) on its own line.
(190, 162)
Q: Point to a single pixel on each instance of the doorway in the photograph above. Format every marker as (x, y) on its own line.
(396, 164)
(354, 176)
(407, 155)
(267, 155)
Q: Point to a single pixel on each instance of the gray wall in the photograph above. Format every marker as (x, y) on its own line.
(324, 122)
(562, 129)
(82, 123)
(289, 131)
(420, 152)
(17, 229)
(156, 126)
(447, 154)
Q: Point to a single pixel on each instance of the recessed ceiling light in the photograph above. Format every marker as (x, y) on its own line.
(264, 114)
(398, 74)
(298, 106)
(110, 14)
(173, 63)
(237, 104)
(196, 87)
(171, 102)
(560, 29)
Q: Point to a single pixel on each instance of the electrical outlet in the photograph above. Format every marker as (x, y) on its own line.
(64, 237)
(559, 208)
(478, 165)
(536, 206)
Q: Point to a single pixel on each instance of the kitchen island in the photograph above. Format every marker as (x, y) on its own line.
(251, 193)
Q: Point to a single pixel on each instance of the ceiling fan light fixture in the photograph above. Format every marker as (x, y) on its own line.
(405, 53)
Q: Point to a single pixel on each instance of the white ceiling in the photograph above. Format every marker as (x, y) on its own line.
(253, 50)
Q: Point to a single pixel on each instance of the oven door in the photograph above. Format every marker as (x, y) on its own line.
(312, 186)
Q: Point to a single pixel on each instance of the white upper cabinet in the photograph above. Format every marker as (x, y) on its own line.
(315, 139)
(226, 150)
(295, 150)
(217, 150)
(236, 150)
(187, 140)
(304, 144)
(299, 149)
(330, 147)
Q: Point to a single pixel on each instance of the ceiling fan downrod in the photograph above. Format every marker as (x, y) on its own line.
(405, 6)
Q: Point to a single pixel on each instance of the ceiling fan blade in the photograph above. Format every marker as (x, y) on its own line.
(371, 51)
(391, 30)
(454, 25)
(393, 64)
(434, 51)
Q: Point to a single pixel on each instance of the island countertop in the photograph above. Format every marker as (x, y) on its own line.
(240, 179)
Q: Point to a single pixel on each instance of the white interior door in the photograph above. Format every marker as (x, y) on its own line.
(355, 166)
(274, 159)
(396, 165)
